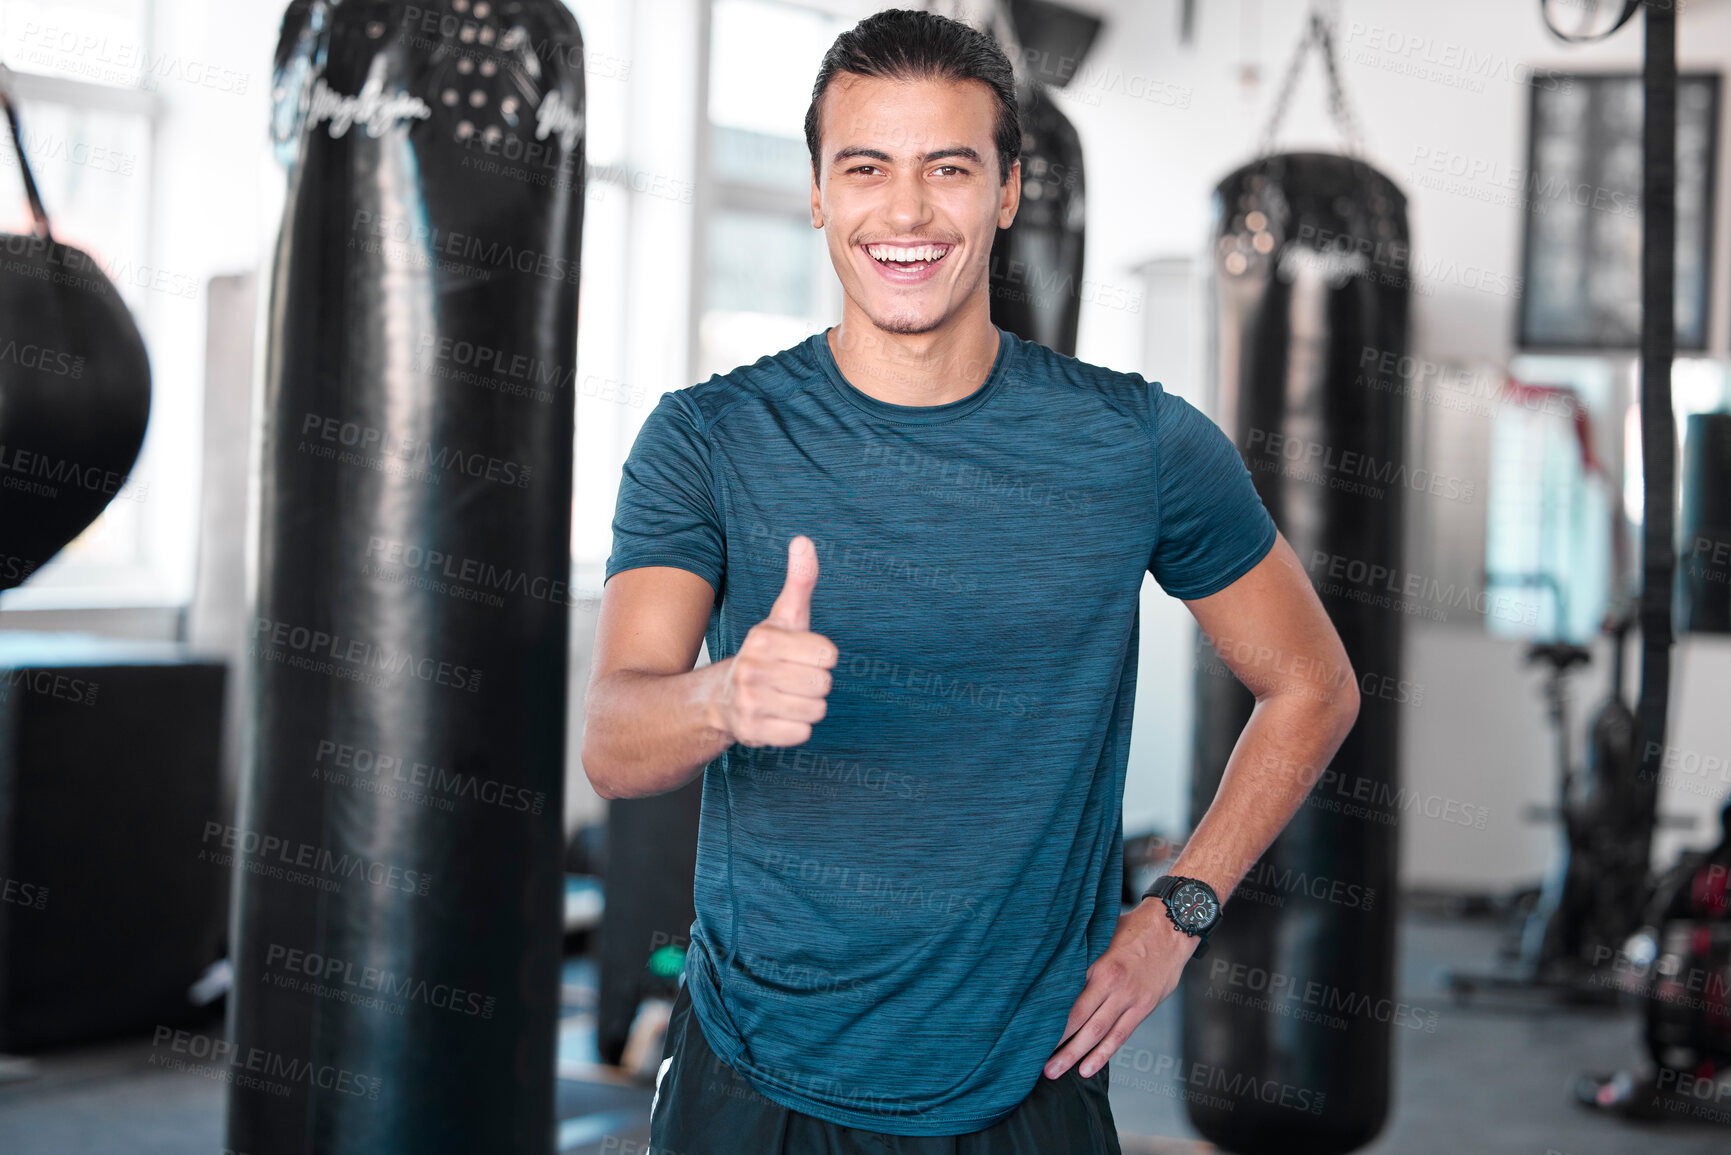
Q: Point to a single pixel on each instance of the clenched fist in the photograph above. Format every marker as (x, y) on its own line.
(778, 680)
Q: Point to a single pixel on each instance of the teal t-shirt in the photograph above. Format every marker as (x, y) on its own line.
(894, 918)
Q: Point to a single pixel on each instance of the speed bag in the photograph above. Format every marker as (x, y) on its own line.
(74, 389)
(1290, 1012)
(397, 850)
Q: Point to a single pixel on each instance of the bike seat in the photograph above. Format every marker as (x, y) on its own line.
(1563, 655)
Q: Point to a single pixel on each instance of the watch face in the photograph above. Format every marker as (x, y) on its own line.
(1194, 906)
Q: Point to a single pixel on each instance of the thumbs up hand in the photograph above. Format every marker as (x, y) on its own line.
(779, 679)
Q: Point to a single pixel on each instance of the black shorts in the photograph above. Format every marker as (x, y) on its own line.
(704, 1106)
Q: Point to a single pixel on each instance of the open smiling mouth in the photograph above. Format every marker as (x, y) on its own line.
(907, 258)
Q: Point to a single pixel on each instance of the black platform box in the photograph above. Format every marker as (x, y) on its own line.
(109, 771)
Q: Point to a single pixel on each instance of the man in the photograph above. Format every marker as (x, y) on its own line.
(915, 545)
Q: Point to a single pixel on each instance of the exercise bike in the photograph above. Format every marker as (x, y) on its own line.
(1573, 925)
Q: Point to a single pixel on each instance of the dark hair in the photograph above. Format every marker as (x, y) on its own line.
(905, 44)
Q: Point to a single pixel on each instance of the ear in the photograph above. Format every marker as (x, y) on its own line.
(1012, 195)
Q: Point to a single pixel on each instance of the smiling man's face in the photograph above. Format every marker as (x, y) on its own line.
(908, 195)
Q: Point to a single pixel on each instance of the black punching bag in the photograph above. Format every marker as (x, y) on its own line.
(1036, 271)
(74, 387)
(1704, 577)
(398, 898)
(1291, 1010)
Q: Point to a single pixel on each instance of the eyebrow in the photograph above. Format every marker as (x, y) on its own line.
(878, 154)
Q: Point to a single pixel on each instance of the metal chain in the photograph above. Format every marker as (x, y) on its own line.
(1337, 103)
(1319, 30)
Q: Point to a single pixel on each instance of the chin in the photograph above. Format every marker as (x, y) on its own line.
(907, 321)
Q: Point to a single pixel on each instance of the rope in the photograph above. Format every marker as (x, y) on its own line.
(37, 212)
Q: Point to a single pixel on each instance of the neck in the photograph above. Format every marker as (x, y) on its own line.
(932, 368)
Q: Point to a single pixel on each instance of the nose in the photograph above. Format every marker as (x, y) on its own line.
(905, 204)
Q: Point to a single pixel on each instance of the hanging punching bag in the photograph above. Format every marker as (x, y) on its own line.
(398, 887)
(1292, 1009)
(1036, 268)
(74, 387)
(1294, 321)
(1036, 277)
(1704, 577)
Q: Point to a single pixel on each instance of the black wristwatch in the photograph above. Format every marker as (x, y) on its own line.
(1191, 904)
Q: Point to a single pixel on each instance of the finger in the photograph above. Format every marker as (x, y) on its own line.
(1094, 992)
(1116, 1037)
(1091, 1032)
(1087, 1005)
(792, 609)
(822, 652)
(777, 732)
(774, 703)
(798, 648)
(800, 680)
(1119, 1022)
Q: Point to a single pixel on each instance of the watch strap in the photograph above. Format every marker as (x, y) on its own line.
(1162, 886)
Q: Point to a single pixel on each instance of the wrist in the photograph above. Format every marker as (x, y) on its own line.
(1160, 924)
(1190, 906)
(713, 714)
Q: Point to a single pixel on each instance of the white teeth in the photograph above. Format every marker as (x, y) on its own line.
(906, 254)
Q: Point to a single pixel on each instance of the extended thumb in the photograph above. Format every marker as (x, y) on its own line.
(792, 610)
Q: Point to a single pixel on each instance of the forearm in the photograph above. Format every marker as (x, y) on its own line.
(647, 733)
(1289, 740)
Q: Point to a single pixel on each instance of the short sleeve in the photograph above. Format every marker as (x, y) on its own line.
(667, 512)
(1213, 526)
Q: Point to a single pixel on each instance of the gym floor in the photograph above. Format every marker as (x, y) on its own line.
(1487, 1081)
